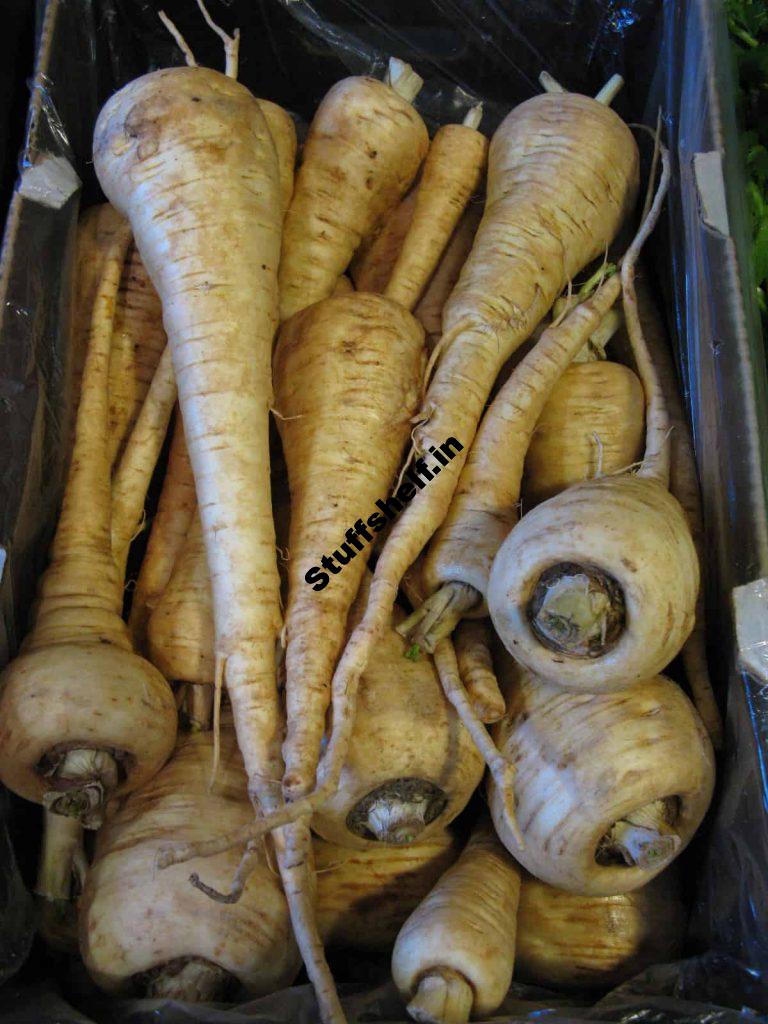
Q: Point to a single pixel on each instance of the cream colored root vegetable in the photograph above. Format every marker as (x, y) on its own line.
(82, 718)
(138, 340)
(591, 942)
(684, 484)
(187, 156)
(60, 878)
(365, 896)
(139, 458)
(544, 209)
(452, 173)
(371, 269)
(95, 233)
(472, 640)
(149, 932)
(454, 956)
(592, 425)
(596, 588)
(362, 354)
(552, 203)
(411, 767)
(343, 286)
(167, 536)
(365, 145)
(283, 132)
(429, 309)
(208, 230)
(609, 787)
(180, 632)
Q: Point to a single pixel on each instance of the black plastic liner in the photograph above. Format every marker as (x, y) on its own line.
(674, 57)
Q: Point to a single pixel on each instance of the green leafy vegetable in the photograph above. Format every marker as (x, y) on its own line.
(748, 25)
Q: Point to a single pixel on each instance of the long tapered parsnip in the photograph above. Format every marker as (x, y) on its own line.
(684, 484)
(166, 538)
(365, 896)
(186, 155)
(551, 204)
(82, 718)
(590, 942)
(180, 631)
(283, 132)
(363, 354)
(591, 425)
(371, 268)
(452, 173)
(609, 787)
(429, 309)
(597, 587)
(139, 458)
(454, 955)
(472, 640)
(149, 931)
(138, 340)
(95, 233)
(411, 767)
(365, 145)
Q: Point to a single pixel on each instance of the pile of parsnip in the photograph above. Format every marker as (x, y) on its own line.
(428, 526)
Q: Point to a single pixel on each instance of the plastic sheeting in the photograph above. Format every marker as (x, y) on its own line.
(674, 57)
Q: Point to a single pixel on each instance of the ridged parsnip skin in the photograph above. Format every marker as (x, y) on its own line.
(634, 531)
(372, 267)
(77, 684)
(365, 145)
(134, 917)
(591, 942)
(429, 309)
(138, 340)
(167, 536)
(584, 761)
(452, 173)
(347, 379)
(283, 132)
(365, 896)
(466, 924)
(405, 729)
(186, 154)
(180, 635)
(593, 423)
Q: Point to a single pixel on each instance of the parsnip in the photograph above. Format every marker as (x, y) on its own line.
(591, 425)
(589, 942)
(148, 930)
(83, 718)
(454, 955)
(411, 767)
(365, 145)
(365, 896)
(609, 787)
